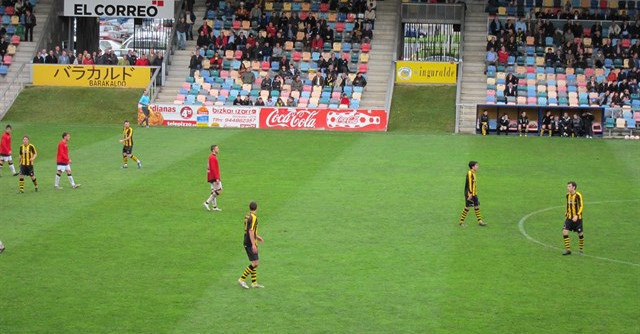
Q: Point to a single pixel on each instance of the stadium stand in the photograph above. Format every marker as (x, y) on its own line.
(572, 54)
(12, 31)
(306, 54)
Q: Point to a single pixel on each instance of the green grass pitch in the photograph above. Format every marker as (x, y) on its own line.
(360, 231)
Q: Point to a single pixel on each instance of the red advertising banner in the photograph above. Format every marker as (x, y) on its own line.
(267, 117)
(324, 119)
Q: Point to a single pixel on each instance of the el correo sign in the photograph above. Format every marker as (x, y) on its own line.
(146, 9)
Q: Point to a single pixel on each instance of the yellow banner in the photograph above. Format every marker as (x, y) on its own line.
(91, 76)
(418, 72)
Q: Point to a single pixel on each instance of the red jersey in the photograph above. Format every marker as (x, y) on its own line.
(213, 172)
(5, 144)
(63, 153)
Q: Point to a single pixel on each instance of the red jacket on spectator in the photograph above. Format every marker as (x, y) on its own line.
(142, 62)
(503, 56)
(271, 30)
(222, 41)
(87, 61)
(317, 43)
(612, 77)
(251, 42)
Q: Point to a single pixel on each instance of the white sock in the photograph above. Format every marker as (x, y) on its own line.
(57, 180)
(210, 199)
(215, 202)
(73, 184)
(13, 168)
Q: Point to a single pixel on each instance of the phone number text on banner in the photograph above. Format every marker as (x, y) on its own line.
(91, 76)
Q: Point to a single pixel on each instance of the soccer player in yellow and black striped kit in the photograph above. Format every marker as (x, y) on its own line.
(573, 221)
(28, 154)
(127, 149)
(251, 239)
(471, 195)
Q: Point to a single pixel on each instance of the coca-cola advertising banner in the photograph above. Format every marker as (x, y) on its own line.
(267, 117)
(324, 119)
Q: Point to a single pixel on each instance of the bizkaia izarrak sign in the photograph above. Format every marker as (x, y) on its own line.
(146, 9)
(324, 119)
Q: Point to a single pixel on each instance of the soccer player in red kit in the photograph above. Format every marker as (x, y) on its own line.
(64, 163)
(213, 177)
(5, 150)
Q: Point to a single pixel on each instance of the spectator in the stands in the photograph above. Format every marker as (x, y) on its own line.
(38, 58)
(291, 102)
(280, 103)
(490, 59)
(216, 62)
(317, 44)
(51, 58)
(503, 56)
(248, 78)
(132, 57)
(359, 80)
(317, 80)
(370, 16)
(181, 31)
(259, 101)
(343, 81)
(614, 30)
(344, 99)
(276, 52)
(88, 59)
(277, 83)
(142, 61)
(204, 28)
(367, 35)
(3, 47)
(297, 84)
(510, 90)
(64, 58)
(203, 40)
(269, 102)
(29, 24)
(237, 101)
(495, 26)
(265, 52)
(266, 82)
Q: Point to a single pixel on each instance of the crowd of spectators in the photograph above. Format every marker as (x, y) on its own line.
(270, 38)
(60, 56)
(574, 44)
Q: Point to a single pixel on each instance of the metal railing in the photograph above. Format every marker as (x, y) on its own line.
(392, 70)
(152, 87)
(459, 79)
(9, 95)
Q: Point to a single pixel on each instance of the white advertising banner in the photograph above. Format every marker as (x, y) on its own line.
(146, 9)
(202, 116)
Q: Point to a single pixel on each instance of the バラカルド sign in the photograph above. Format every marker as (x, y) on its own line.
(91, 76)
(146, 9)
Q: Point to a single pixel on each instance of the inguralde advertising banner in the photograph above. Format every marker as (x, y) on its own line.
(420, 72)
(91, 76)
(146, 9)
(267, 117)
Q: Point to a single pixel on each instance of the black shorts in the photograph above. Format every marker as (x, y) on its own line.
(573, 226)
(474, 201)
(26, 170)
(127, 149)
(145, 111)
(252, 256)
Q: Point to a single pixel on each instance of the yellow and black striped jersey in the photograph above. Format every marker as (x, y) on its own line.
(26, 153)
(250, 226)
(128, 133)
(470, 187)
(574, 205)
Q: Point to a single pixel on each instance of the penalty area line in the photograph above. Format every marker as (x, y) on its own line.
(523, 231)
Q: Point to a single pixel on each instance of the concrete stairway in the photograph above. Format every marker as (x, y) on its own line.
(24, 55)
(381, 55)
(473, 88)
(179, 67)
